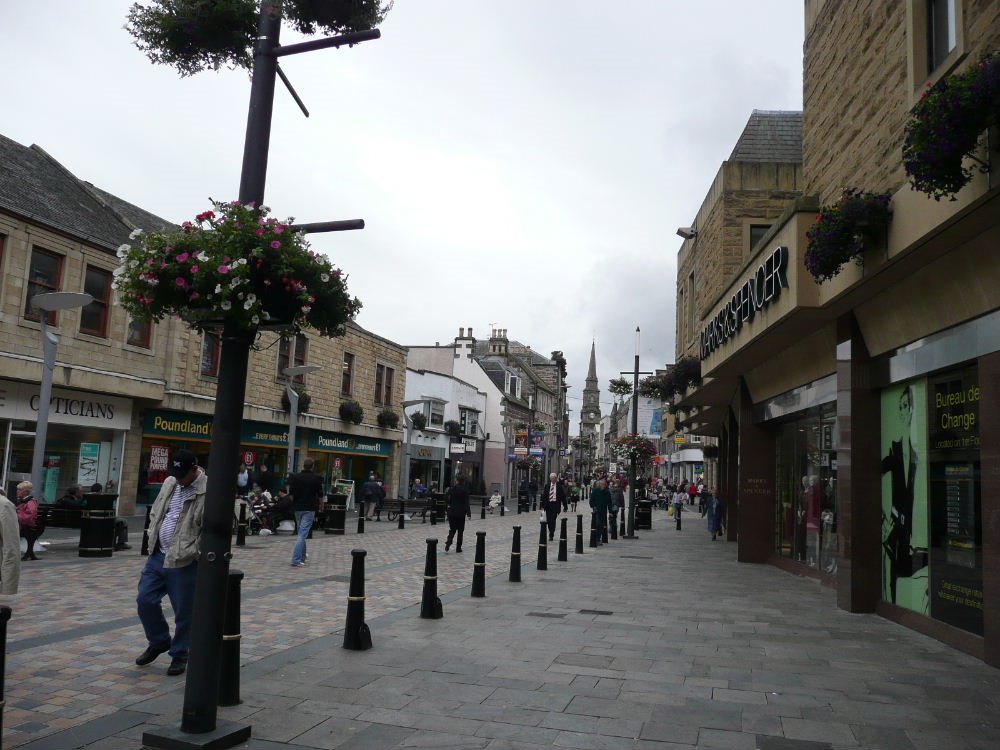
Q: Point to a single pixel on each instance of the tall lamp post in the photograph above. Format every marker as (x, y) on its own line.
(293, 409)
(635, 431)
(46, 303)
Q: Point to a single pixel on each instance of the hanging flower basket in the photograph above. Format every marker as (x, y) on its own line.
(945, 126)
(304, 399)
(419, 420)
(620, 387)
(351, 411)
(844, 230)
(453, 428)
(686, 373)
(710, 451)
(234, 265)
(388, 419)
(528, 463)
(634, 447)
(197, 35)
(658, 386)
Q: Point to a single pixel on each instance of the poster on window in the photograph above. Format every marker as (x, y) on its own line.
(159, 460)
(87, 470)
(521, 443)
(537, 443)
(904, 497)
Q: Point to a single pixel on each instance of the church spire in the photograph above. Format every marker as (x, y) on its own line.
(592, 371)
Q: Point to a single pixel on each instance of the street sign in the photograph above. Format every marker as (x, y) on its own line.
(458, 447)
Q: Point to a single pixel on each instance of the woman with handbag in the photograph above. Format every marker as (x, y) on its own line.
(27, 517)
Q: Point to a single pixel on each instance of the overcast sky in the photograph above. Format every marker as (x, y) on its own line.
(522, 165)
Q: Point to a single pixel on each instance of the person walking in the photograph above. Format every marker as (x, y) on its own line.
(458, 510)
(175, 526)
(679, 497)
(306, 489)
(26, 507)
(713, 508)
(243, 481)
(600, 505)
(372, 494)
(553, 500)
(10, 546)
(617, 499)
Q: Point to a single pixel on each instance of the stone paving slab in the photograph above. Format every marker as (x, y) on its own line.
(659, 643)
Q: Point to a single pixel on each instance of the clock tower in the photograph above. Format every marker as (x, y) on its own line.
(590, 414)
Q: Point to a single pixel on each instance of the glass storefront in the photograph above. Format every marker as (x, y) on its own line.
(932, 557)
(806, 489)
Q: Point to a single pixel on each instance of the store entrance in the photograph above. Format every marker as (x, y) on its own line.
(17, 459)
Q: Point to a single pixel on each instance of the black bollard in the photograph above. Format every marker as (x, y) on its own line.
(241, 528)
(502, 501)
(593, 530)
(563, 557)
(361, 521)
(433, 511)
(621, 531)
(357, 636)
(604, 531)
(482, 510)
(579, 533)
(430, 604)
(402, 513)
(229, 658)
(479, 571)
(515, 557)
(4, 619)
(612, 526)
(543, 559)
(145, 537)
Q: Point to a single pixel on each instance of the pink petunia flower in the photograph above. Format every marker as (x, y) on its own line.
(194, 269)
(223, 269)
(183, 257)
(275, 245)
(181, 283)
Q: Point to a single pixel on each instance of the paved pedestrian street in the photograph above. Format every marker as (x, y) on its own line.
(658, 643)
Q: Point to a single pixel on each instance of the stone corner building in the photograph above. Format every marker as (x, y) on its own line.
(857, 419)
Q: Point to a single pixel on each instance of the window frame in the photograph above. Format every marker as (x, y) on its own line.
(147, 327)
(284, 355)
(464, 413)
(347, 375)
(213, 370)
(435, 413)
(104, 304)
(919, 72)
(27, 312)
(384, 376)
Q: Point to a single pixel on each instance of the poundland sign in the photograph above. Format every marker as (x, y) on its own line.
(756, 293)
(338, 442)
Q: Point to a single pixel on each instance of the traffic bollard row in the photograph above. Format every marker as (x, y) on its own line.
(361, 522)
(543, 562)
(229, 658)
(579, 533)
(357, 636)
(430, 604)
(563, 557)
(402, 513)
(241, 526)
(479, 571)
(515, 557)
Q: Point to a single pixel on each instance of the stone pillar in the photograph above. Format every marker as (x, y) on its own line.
(859, 477)
(989, 456)
(755, 499)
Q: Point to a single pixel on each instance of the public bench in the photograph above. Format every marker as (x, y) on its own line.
(60, 517)
(413, 507)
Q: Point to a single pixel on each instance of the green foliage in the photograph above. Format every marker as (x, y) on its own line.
(351, 411)
(619, 387)
(239, 267)
(419, 420)
(843, 231)
(304, 399)
(945, 125)
(197, 35)
(388, 419)
(453, 428)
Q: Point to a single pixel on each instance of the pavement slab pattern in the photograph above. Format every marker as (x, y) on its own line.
(657, 643)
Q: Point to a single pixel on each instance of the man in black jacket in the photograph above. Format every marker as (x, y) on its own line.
(458, 510)
(553, 500)
(306, 490)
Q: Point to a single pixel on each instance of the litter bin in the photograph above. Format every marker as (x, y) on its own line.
(97, 525)
(523, 503)
(644, 515)
(439, 502)
(336, 511)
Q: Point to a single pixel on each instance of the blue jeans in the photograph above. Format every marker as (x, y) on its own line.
(304, 520)
(177, 584)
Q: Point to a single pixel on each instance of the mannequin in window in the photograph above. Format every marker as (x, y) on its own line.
(901, 464)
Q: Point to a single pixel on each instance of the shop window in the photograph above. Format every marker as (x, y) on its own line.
(383, 385)
(436, 415)
(469, 419)
(140, 334)
(347, 379)
(44, 275)
(286, 359)
(210, 349)
(806, 489)
(94, 317)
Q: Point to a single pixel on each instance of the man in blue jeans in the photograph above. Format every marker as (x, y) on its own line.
(175, 524)
(306, 489)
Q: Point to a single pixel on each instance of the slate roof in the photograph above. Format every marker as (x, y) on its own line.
(770, 136)
(39, 188)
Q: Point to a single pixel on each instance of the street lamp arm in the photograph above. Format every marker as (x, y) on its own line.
(349, 39)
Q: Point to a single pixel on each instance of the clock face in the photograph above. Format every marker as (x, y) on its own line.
(593, 414)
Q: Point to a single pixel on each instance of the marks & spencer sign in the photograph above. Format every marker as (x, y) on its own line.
(761, 289)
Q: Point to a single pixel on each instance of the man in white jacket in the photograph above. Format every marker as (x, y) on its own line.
(10, 547)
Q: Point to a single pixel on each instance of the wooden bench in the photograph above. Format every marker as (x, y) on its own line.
(57, 516)
(413, 507)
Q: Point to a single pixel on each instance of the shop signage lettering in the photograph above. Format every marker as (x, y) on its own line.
(341, 443)
(955, 415)
(77, 407)
(21, 401)
(757, 292)
(199, 427)
(181, 426)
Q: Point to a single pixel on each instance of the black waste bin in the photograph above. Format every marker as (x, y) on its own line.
(336, 511)
(644, 515)
(439, 502)
(97, 525)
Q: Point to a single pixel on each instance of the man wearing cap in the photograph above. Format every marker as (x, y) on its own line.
(175, 524)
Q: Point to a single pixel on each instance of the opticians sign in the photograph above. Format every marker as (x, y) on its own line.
(761, 289)
(20, 401)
